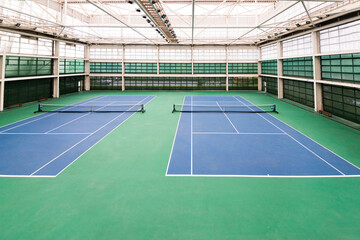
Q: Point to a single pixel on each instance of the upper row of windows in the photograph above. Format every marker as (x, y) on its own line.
(343, 38)
(337, 39)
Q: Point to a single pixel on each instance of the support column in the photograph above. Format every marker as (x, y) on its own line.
(227, 69)
(56, 82)
(280, 71)
(192, 60)
(318, 99)
(87, 68)
(2, 81)
(123, 69)
(158, 60)
(259, 70)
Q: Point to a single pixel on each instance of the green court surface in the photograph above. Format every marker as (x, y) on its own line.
(118, 189)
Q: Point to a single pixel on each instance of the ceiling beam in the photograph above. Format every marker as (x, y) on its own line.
(268, 17)
(58, 7)
(113, 16)
(192, 21)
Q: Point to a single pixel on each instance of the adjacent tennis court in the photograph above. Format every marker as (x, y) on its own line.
(229, 136)
(50, 142)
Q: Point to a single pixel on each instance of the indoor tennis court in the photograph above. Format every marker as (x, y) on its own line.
(164, 119)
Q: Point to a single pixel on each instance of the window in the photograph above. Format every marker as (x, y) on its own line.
(300, 46)
(341, 38)
(269, 52)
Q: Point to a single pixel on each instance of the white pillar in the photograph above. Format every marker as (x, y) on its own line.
(2, 81)
(259, 70)
(56, 82)
(227, 69)
(280, 71)
(87, 68)
(192, 60)
(318, 99)
(123, 69)
(158, 60)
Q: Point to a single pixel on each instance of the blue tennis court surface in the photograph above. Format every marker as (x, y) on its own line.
(247, 144)
(46, 144)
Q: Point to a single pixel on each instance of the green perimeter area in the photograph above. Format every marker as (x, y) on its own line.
(118, 189)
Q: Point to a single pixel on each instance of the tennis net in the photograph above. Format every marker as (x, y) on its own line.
(225, 108)
(90, 108)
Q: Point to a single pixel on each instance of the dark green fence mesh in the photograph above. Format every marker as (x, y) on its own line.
(159, 83)
(105, 83)
(209, 68)
(28, 66)
(175, 68)
(269, 67)
(71, 84)
(27, 90)
(243, 68)
(298, 67)
(106, 67)
(299, 91)
(345, 67)
(71, 66)
(145, 68)
(243, 83)
(342, 101)
(271, 85)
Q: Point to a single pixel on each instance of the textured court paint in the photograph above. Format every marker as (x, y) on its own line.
(118, 189)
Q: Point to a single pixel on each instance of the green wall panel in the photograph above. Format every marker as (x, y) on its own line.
(27, 66)
(345, 67)
(144, 68)
(269, 67)
(298, 67)
(105, 67)
(175, 68)
(209, 68)
(243, 68)
(71, 66)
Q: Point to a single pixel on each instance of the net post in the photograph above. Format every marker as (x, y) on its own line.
(274, 110)
(39, 108)
(173, 108)
(142, 108)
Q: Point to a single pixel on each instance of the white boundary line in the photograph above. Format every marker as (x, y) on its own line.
(232, 133)
(228, 118)
(104, 136)
(46, 115)
(172, 148)
(42, 133)
(264, 176)
(81, 141)
(28, 176)
(295, 140)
